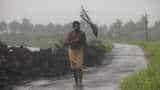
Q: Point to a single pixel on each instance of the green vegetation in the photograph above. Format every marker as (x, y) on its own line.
(101, 48)
(108, 45)
(147, 79)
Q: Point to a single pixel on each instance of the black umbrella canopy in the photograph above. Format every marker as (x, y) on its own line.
(94, 29)
(87, 19)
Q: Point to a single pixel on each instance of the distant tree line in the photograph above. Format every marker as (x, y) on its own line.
(131, 30)
(37, 35)
(31, 33)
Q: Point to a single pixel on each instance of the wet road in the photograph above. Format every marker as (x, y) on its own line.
(123, 60)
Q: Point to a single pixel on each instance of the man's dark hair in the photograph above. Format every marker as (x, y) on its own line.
(75, 22)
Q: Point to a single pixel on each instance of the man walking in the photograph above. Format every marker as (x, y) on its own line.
(76, 42)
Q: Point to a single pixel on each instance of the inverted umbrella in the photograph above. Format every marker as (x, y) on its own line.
(87, 19)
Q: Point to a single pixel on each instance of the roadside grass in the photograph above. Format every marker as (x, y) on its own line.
(147, 79)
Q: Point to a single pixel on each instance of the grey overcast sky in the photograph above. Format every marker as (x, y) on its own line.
(63, 11)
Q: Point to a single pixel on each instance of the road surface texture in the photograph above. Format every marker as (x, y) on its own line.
(123, 60)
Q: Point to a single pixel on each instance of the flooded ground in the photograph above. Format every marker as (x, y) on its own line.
(124, 60)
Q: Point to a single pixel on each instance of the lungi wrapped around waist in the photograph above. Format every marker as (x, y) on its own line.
(76, 57)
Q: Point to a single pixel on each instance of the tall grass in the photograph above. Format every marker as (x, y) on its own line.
(148, 79)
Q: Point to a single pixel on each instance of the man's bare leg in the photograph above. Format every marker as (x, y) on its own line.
(75, 74)
(80, 76)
